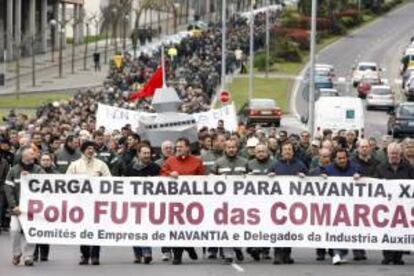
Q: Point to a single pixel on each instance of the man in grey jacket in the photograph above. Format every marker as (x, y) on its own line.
(231, 164)
(12, 188)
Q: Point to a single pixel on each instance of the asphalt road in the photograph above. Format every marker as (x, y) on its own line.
(381, 41)
(118, 261)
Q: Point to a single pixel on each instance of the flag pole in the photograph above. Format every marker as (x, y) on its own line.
(164, 79)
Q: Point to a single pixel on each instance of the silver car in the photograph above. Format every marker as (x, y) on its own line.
(380, 96)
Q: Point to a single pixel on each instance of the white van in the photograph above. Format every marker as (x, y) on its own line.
(336, 113)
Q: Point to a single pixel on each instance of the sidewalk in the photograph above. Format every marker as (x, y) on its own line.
(44, 61)
(47, 74)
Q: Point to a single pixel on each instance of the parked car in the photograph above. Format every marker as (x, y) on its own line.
(409, 89)
(328, 92)
(364, 86)
(362, 69)
(262, 111)
(323, 82)
(406, 75)
(324, 70)
(401, 120)
(380, 96)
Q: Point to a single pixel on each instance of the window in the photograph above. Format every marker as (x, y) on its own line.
(350, 114)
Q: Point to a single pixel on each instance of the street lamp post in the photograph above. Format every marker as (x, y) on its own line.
(223, 45)
(55, 23)
(267, 40)
(312, 71)
(85, 54)
(75, 23)
(114, 29)
(106, 43)
(125, 19)
(97, 20)
(251, 50)
(53, 42)
(32, 50)
(177, 8)
(18, 71)
(61, 34)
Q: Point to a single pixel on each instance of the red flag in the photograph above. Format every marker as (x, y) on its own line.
(149, 88)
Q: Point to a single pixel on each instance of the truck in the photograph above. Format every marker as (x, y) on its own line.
(337, 113)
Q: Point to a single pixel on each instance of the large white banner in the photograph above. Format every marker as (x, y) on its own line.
(113, 118)
(218, 211)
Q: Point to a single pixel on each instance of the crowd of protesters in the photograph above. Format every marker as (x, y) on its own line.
(61, 138)
(250, 150)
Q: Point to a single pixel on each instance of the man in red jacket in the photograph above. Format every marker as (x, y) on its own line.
(183, 163)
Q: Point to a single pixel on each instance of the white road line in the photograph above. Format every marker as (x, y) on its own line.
(398, 81)
(237, 267)
(341, 80)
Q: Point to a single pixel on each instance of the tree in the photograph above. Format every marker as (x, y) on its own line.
(325, 7)
(167, 6)
(114, 16)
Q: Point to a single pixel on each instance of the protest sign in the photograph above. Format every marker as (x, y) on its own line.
(219, 211)
(113, 118)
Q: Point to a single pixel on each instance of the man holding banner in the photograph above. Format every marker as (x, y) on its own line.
(342, 166)
(183, 163)
(231, 164)
(89, 165)
(142, 165)
(287, 165)
(12, 189)
(394, 168)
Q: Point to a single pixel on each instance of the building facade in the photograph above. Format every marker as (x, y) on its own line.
(27, 24)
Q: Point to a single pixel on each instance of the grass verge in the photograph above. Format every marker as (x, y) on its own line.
(32, 100)
(276, 89)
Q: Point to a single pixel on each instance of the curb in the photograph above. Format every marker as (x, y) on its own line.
(73, 89)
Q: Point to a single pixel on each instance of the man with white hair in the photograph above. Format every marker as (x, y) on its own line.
(394, 168)
(367, 165)
(167, 150)
(26, 165)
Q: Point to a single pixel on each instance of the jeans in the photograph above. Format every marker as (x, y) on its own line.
(142, 251)
(17, 238)
(43, 249)
(391, 255)
(90, 251)
(3, 208)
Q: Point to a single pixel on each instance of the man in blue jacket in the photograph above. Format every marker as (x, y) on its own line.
(342, 166)
(287, 165)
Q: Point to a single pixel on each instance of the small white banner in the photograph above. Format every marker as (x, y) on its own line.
(113, 118)
(218, 211)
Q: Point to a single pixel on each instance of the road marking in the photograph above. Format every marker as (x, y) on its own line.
(398, 81)
(341, 80)
(237, 267)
